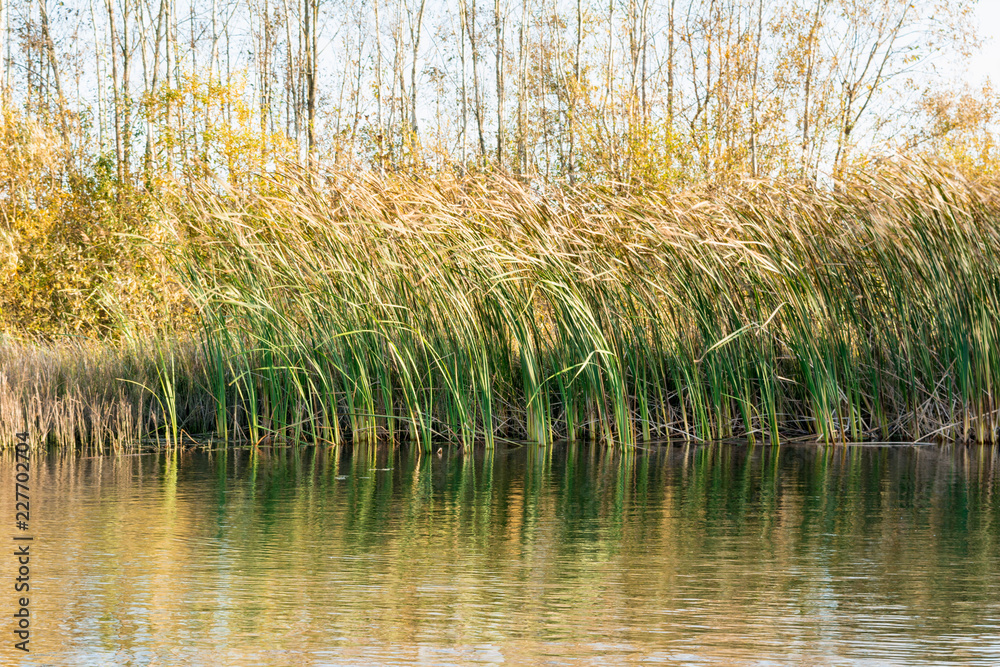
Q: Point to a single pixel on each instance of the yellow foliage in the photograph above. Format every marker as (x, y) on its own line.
(962, 131)
(69, 261)
(206, 129)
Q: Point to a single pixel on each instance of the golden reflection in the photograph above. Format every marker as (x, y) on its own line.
(589, 554)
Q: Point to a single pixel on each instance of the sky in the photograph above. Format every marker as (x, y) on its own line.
(987, 63)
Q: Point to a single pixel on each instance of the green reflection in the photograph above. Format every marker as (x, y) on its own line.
(378, 554)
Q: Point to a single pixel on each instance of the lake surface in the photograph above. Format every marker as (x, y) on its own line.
(709, 555)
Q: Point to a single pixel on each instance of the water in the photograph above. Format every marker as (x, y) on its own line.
(718, 555)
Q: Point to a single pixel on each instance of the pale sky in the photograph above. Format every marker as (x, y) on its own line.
(987, 63)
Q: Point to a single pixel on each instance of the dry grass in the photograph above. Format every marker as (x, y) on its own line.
(480, 308)
(86, 393)
(343, 308)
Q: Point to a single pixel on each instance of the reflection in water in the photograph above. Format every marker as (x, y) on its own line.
(700, 555)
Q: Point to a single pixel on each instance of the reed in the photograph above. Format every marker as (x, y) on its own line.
(353, 308)
(340, 308)
(99, 396)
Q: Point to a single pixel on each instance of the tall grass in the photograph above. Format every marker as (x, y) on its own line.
(353, 308)
(101, 396)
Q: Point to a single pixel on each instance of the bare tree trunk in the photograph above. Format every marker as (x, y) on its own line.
(262, 54)
(339, 108)
(152, 76)
(307, 72)
(415, 29)
(191, 26)
(574, 94)
(213, 58)
(465, 95)
(644, 50)
(300, 80)
(170, 58)
(477, 108)
(380, 130)
(126, 96)
(608, 103)
(311, 49)
(180, 122)
(291, 113)
(500, 26)
(705, 121)
(522, 93)
(633, 48)
(50, 51)
(543, 67)
(359, 75)
(398, 78)
(5, 80)
(115, 81)
(192, 133)
(9, 56)
(227, 108)
(98, 51)
(161, 27)
(810, 62)
(670, 67)
(754, 166)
